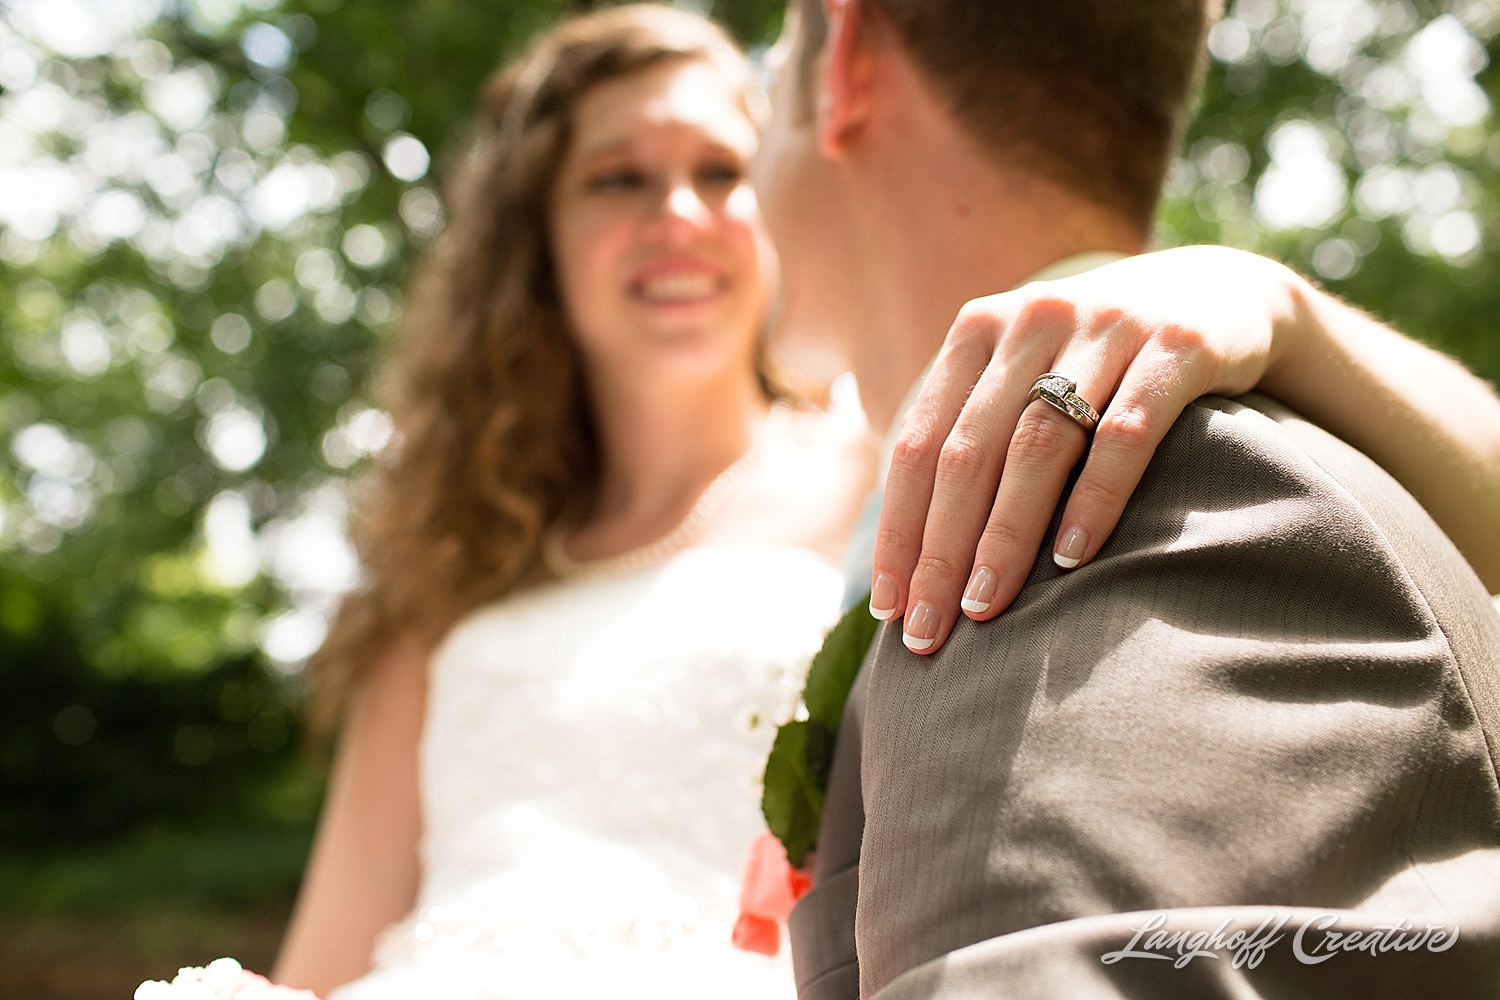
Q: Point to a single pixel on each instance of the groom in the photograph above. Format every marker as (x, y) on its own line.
(1250, 750)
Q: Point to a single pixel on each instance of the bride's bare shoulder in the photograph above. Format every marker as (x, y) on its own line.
(839, 440)
(812, 481)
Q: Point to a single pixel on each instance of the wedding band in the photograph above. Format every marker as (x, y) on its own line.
(1061, 393)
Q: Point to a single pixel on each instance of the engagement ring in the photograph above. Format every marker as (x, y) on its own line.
(1061, 393)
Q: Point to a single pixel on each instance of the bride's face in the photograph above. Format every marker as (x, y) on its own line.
(661, 257)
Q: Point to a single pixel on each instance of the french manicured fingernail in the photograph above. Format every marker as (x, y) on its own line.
(921, 628)
(981, 591)
(883, 598)
(1070, 547)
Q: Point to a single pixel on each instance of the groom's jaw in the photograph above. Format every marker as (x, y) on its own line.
(897, 199)
(923, 217)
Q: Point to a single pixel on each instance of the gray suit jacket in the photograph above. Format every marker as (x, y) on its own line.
(1275, 694)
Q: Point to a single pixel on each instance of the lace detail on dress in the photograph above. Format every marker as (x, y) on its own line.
(590, 770)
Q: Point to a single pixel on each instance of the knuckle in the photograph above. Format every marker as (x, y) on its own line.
(1182, 342)
(936, 566)
(895, 540)
(1095, 494)
(914, 451)
(1126, 427)
(976, 319)
(962, 457)
(1047, 311)
(1039, 435)
(1000, 537)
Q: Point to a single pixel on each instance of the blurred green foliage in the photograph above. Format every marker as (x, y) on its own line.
(207, 214)
(1380, 118)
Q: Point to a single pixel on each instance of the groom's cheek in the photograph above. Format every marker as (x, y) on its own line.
(780, 183)
(768, 168)
(774, 168)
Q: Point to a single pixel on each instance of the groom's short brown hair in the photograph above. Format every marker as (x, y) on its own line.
(1091, 94)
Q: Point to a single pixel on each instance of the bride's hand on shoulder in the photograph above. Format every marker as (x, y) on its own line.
(978, 468)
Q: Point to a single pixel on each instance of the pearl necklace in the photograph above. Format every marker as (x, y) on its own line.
(563, 566)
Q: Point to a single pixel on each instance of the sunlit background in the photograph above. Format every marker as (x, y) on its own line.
(208, 209)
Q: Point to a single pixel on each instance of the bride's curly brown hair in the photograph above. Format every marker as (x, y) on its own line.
(494, 439)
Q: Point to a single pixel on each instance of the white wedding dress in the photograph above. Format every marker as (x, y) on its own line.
(590, 769)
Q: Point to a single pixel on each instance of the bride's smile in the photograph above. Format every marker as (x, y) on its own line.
(660, 253)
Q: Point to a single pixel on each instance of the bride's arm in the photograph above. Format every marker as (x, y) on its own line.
(1143, 338)
(364, 869)
(1426, 419)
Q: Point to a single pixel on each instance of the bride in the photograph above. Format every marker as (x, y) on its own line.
(596, 561)
(597, 564)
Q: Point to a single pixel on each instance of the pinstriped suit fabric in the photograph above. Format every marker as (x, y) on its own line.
(1277, 686)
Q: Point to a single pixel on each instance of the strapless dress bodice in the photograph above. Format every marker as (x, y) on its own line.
(590, 772)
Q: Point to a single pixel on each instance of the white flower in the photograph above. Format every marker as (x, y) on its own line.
(223, 979)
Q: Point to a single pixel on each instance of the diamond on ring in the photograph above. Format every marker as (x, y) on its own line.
(1055, 384)
(1061, 393)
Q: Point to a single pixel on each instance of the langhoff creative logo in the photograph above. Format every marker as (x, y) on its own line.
(1314, 940)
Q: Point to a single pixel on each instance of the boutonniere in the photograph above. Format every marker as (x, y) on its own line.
(796, 782)
(802, 754)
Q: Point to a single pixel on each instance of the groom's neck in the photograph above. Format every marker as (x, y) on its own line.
(938, 224)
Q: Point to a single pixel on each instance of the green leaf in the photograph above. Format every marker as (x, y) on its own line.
(796, 776)
(837, 663)
(802, 756)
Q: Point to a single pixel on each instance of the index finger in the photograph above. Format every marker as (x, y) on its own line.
(966, 353)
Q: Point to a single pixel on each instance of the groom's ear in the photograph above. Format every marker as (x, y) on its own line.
(848, 71)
